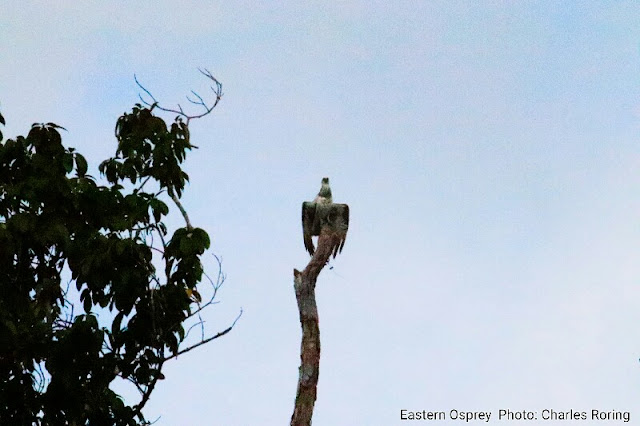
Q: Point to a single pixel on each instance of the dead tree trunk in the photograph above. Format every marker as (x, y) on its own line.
(305, 283)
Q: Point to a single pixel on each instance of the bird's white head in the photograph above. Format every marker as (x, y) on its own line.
(324, 196)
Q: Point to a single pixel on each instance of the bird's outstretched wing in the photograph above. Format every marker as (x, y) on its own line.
(340, 225)
(308, 216)
(329, 221)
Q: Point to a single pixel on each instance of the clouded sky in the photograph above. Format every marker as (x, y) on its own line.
(488, 152)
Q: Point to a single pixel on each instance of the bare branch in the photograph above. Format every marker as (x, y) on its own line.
(182, 210)
(199, 323)
(157, 249)
(217, 91)
(200, 100)
(135, 383)
(168, 262)
(216, 286)
(145, 90)
(40, 380)
(222, 333)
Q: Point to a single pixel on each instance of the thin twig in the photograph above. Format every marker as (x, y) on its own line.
(208, 108)
(222, 333)
(191, 328)
(216, 286)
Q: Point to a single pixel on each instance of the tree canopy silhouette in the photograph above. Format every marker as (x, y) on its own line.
(67, 240)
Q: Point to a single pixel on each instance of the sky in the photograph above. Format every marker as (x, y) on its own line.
(487, 150)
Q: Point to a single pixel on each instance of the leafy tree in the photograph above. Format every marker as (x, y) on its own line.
(59, 230)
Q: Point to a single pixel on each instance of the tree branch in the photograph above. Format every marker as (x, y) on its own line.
(200, 102)
(304, 284)
(220, 334)
(137, 412)
(176, 200)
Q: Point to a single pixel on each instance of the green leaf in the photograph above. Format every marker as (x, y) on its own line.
(92, 321)
(67, 162)
(22, 222)
(184, 246)
(2, 120)
(11, 326)
(117, 403)
(201, 236)
(159, 208)
(115, 326)
(55, 126)
(121, 246)
(112, 172)
(81, 164)
(87, 304)
(129, 171)
(180, 332)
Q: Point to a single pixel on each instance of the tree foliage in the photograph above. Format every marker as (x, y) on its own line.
(59, 230)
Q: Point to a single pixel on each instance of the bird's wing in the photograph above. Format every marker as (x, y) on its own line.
(308, 213)
(341, 227)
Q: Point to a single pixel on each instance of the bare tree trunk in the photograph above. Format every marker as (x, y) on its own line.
(305, 283)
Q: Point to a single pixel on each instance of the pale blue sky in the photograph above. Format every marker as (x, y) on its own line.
(488, 151)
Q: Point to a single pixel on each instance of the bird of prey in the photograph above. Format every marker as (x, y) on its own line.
(323, 213)
(324, 195)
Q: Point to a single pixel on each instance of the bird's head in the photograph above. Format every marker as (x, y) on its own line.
(325, 181)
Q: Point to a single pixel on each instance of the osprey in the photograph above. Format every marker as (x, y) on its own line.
(324, 195)
(321, 213)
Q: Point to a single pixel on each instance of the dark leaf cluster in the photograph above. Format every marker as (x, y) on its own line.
(146, 148)
(57, 221)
